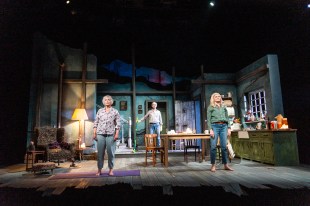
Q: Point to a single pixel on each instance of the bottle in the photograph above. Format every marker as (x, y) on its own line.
(268, 123)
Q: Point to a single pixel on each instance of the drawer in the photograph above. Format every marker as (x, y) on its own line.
(260, 134)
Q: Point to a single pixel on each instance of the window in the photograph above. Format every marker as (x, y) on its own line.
(257, 102)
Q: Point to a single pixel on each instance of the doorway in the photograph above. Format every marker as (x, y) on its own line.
(162, 107)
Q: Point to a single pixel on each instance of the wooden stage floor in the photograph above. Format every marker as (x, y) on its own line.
(251, 183)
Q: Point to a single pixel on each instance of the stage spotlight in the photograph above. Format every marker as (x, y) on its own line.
(212, 3)
(308, 6)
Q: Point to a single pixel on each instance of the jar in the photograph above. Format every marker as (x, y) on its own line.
(274, 125)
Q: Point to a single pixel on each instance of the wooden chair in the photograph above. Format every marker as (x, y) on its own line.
(150, 146)
(191, 144)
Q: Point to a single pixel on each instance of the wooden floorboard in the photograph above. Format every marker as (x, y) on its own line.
(247, 174)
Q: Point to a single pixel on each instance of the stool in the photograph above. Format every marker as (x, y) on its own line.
(43, 166)
(219, 151)
(80, 153)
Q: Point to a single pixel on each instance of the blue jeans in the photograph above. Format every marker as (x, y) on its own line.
(103, 143)
(155, 129)
(220, 130)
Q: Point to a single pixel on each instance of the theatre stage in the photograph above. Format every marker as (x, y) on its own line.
(252, 183)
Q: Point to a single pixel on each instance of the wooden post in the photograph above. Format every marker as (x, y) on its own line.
(133, 95)
(59, 108)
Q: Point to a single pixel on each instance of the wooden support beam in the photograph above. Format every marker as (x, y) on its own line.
(201, 81)
(87, 81)
(77, 81)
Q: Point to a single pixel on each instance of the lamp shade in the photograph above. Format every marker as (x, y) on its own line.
(79, 114)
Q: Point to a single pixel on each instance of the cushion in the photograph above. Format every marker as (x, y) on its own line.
(54, 145)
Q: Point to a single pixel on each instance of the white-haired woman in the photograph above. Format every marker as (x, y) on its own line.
(106, 130)
(218, 123)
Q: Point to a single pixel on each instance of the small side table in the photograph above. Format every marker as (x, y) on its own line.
(31, 158)
(80, 153)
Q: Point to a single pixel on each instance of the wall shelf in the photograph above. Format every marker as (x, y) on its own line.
(254, 122)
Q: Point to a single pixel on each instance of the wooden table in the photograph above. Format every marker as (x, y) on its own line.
(80, 153)
(165, 138)
(31, 158)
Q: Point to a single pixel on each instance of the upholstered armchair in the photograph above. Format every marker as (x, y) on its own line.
(51, 140)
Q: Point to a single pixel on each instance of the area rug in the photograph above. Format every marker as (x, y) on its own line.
(117, 173)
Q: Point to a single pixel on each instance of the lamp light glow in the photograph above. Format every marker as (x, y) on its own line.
(79, 114)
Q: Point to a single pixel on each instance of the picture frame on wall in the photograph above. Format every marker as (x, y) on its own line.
(140, 107)
(123, 105)
(140, 111)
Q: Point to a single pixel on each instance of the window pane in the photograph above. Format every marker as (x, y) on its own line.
(258, 102)
(263, 100)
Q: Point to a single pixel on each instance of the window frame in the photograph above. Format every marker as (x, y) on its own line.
(256, 101)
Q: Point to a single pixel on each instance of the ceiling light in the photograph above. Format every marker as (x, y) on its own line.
(212, 3)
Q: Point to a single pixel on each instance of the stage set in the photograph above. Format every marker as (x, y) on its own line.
(266, 168)
(251, 183)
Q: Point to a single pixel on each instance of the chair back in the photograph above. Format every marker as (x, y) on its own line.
(150, 140)
(46, 135)
(190, 142)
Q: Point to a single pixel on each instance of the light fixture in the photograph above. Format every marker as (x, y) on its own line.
(212, 3)
(80, 115)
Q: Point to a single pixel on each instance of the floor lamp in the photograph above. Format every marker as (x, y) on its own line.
(80, 115)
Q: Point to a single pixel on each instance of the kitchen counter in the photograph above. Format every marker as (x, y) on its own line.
(278, 146)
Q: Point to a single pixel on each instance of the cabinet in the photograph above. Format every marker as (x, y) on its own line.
(278, 147)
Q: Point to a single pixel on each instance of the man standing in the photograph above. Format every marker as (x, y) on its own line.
(155, 121)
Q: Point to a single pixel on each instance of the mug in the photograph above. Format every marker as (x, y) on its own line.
(206, 131)
(259, 125)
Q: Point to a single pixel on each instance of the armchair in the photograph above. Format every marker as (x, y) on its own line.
(51, 140)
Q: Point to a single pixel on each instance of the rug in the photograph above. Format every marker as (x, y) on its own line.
(117, 173)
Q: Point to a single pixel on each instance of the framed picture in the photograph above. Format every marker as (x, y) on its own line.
(123, 105)
(140, 111)
(140, 107)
